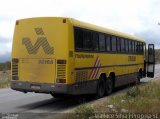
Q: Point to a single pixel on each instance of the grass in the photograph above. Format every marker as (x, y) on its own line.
(4, 84)
(138, 99)
(4, 79)
(83, 112)
(83, 109)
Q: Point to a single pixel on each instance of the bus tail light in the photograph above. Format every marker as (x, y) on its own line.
(15, 78)
(61, 81)
(61, 71)
(15, 63)
(61, 61)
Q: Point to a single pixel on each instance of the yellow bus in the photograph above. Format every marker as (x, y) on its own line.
(64, 56)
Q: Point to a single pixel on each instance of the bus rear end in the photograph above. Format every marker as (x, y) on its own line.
(39, 55)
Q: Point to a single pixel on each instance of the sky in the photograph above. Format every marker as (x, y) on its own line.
(136, 17)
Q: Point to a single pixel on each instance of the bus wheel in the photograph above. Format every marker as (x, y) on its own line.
(109, 86)
(100, 88)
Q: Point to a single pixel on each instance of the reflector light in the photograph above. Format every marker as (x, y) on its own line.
(17, 22)
(15, 78)
(64, 20)
(61, 81)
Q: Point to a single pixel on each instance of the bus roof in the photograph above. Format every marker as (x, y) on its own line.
(103, 30)
(89, 26)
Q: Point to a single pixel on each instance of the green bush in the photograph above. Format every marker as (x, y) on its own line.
(83, 111)
(133, 92)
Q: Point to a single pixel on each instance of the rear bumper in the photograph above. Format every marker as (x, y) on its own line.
(44, 87)
(88, 87)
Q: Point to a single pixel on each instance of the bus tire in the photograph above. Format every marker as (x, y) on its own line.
(100, 87)
(109, 86)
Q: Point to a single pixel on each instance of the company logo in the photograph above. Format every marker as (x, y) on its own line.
(40, 42)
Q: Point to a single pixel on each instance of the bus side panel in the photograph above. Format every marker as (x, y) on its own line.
(89, 67)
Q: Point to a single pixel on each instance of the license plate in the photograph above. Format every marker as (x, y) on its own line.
(35, 87)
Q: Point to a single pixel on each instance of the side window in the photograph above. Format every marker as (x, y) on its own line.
(113, 43)
(118, 44)
(78, 36)
(130, 46)
(87, 40)
(101, 42)
(133, 42)
(141, 47)
(126, 45)
(108, 43)
(95, 41)
(122, 45)
(136, 47)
